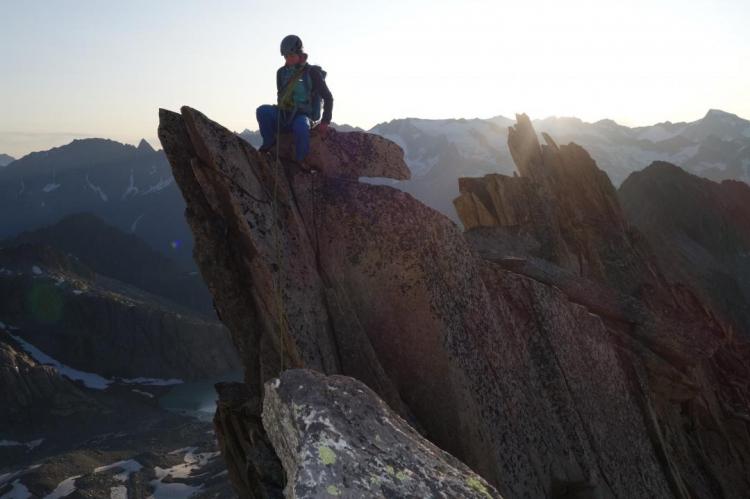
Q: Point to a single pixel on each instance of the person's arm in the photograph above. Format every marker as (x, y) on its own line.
(320, 84)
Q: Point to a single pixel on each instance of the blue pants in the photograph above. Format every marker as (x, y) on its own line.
(268, 115)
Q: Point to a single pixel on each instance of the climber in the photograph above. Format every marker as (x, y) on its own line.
(300, 87)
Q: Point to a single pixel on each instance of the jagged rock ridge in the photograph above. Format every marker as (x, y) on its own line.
(490, 360)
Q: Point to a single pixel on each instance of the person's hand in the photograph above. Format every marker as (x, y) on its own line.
(322, 129)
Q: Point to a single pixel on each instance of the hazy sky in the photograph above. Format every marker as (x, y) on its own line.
(103, 68)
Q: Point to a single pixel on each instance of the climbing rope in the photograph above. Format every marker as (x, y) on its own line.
(280, 313)
(313, 191)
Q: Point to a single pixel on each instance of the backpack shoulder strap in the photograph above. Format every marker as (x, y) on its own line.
(287, 93)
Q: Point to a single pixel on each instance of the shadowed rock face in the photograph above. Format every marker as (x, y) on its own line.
(493, 361)
(700, 231)
(104, 326)
(33, 393)
(561, 224)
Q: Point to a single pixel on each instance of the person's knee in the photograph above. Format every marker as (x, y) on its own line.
(264, 112)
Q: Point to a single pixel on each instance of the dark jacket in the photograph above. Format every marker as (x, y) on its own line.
(318, 86)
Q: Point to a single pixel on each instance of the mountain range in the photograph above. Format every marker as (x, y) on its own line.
(122, 256)
(438, 152)
(128, 187)
(98, 282)
(133, 189)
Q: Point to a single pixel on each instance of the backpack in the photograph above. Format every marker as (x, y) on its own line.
(316, 101)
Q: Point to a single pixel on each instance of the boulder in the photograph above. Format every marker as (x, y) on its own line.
(350, 155)
(336, 438)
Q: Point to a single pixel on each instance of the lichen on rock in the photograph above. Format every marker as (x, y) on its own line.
(322, 427)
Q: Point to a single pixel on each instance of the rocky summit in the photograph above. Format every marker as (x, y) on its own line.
(544, 348)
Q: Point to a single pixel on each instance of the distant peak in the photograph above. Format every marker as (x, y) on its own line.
(5, 159)
(144, 146)
(718, 113)
(607, 122)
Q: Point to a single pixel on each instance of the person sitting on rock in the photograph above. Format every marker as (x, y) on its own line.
(301, 87)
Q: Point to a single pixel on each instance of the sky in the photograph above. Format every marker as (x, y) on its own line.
(73, 69)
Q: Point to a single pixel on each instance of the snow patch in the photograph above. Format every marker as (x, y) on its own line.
(36, 270)
(90, 380)
(128, 467)
(64, 488)
(97, 189)
(7, 477)
(29, 445)
(182, 449)
(192, 462)
(131, 189)
(163, 183)
(50, 187)
(19, 491)
(77, 292)
(141, 392)
(119, 492)
(34, 443)
(135, 224)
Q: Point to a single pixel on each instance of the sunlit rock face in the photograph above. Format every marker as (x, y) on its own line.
(534, 369)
